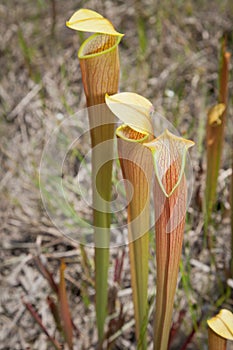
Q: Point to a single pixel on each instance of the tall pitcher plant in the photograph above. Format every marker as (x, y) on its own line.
(170, 201)
(99, 62)
(136, 164)
(168, 154)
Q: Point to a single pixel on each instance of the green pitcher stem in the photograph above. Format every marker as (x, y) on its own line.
(102, 155)
(139, 276)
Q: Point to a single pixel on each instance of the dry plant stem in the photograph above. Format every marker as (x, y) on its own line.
(64, 308)
(38, 319)
(191, 334)
(176, 326)
(46, 273)
(99, 63)
(215, 341)
(137, 165)
(168, 251)
(55, 312)
(215, 139)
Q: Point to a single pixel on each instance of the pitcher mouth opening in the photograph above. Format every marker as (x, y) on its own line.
(127, 133)
(98, 44)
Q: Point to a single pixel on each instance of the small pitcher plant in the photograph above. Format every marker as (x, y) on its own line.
(215, 130)
(220, 329)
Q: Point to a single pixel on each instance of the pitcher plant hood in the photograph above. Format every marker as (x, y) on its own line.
(169, 149)
(86, 20)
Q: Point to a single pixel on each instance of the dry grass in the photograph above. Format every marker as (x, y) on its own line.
(169, 55)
